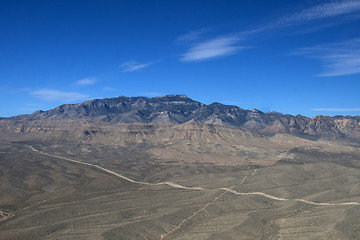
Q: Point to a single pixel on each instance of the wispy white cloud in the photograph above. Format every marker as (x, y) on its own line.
(222, 46)
(132, 66)
(86, 81)
(336, 109)
(318, 12)
(325, 10)
(110, 89)
(217, 47)
(191, 36)
(322, 11)
(338, 59)
(56, 95)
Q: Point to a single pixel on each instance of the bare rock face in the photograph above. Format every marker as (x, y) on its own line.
(321, 126)
(289, 124)
(180, 109)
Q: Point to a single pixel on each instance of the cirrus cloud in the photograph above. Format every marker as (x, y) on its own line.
(321, 11)
(57, 95)
(86, 81)
(213, 48)
(318, 12)
(191, 36)
(132, 66)
(338, 59)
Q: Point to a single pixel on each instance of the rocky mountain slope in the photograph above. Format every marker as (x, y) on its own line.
(322, 126)
(172, 143)
(180, 109)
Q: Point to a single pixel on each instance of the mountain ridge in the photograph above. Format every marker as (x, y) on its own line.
(180, 109)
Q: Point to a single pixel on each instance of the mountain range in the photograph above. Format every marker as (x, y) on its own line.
(180, 109)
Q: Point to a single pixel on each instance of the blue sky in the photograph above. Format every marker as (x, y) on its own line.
(296, 57)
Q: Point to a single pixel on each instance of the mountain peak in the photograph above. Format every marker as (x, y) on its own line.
(173, 96)
(256, 110)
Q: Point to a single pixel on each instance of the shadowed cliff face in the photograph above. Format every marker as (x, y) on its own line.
(180, 109)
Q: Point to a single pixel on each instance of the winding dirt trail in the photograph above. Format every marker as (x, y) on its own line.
(175, 185)
(203, 208)
(288, 199)
(193, 215)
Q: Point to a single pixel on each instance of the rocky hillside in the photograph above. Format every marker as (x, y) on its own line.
(323, 126)
(180, 109)
(170, 108)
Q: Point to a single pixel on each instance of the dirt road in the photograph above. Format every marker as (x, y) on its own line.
(175, 185)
